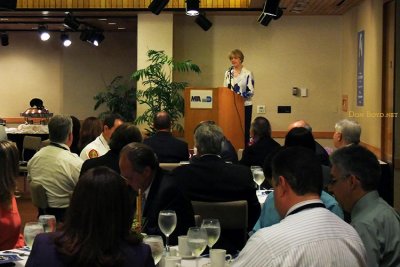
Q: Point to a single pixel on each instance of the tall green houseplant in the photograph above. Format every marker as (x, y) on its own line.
(119, 97)
(162, 93)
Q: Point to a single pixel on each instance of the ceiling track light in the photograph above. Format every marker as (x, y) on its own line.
(203, 22)
(65, 39)
(4, 39)
(43, 33)
(192, 7)
(92, 36)
(71, 22)
(156, 6)
(271, 11)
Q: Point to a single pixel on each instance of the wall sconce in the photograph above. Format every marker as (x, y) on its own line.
(192, 7)
(156, 6)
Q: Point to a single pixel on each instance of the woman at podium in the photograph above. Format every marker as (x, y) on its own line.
(241, 81)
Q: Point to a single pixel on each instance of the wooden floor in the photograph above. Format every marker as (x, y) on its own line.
(27, 211)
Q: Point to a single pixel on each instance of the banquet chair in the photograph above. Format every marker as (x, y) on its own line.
(169, 166)
(232, 216)
(3, 134)
(31, 144)
(39, 197)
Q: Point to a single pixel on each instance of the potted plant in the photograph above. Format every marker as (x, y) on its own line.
(161, 93)
(119, 97)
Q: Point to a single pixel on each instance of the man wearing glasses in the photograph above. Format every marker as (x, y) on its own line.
(355, 175)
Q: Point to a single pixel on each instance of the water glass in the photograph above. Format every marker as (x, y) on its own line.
(48, 222)
(213, 229)
(157, 246)
(167, 223)
(31, 230)
(197, 240)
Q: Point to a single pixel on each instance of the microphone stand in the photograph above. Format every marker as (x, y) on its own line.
(230, 77)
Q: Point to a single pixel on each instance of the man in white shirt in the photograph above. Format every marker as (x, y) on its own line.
(309, 234)
(99, 146)
(55, 167)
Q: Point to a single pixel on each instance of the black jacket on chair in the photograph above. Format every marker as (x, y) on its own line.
(168, 148)
(255, 154)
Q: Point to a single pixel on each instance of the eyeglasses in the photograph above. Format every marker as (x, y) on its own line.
(123, 177)
(334, 181)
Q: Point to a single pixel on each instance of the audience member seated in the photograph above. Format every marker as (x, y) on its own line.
(123, 135)
(269, 214)
(209, 178)
(319, 150)
(347, 132)
(55, 167)
(97, 228)
(10, 221)
(99, 146)
(263, 144)
(139, 165)
(228, 152)
(167, 148)
(90, 130)
(76, 128)
(355, 176)
(308, 234)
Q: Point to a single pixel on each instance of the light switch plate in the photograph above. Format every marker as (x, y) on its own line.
(260, 109)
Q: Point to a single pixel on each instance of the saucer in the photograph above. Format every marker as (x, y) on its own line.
(227, 264)
(188, 257)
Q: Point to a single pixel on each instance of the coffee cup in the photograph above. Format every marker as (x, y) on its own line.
(218, 257)
(183, 248)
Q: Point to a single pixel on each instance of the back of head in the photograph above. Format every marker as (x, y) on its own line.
(99, 217)
(162, 121)
(140, 156)
(208, 139)
(9, 158)
(109, 119)
(261, 127)
(91, 128)
(301, 169)
(300, 137)
(126, 133)
(60, 127)
(300, 123)
(360, 162)
(350, 130)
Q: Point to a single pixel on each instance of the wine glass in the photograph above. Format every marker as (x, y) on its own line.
(31, 230)
(48, 222)
(258, 176)
(197, 240)
(156, 244)
(213, 229)
(167, 224)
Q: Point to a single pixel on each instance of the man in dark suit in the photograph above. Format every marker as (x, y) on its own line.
(209, 178)
(139, 166)
(263, 145)
(167, 148)
(123, 135)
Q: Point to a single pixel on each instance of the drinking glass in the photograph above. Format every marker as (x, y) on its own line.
(167, 224)
(258, 176)
(157, 246)
(213, 229)
(31, 230)
(48, 222)
(197, 240)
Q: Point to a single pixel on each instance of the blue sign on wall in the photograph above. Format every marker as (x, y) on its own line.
(360, 69)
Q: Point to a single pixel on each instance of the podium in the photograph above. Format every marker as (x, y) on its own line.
(217, 104)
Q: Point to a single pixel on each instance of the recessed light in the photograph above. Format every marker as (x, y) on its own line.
(121, 28)
(45, 12)
(103, 19)
(3, 19)
(112, 23)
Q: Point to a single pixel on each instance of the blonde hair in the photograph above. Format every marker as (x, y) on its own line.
(236, 53)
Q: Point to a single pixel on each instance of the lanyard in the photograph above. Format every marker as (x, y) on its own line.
(57, 145)
(307, 206)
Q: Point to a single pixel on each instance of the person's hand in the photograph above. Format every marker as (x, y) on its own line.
(246, 94)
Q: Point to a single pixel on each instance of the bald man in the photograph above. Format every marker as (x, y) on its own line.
(320, 151)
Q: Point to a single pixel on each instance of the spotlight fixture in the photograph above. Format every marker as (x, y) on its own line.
(71, 22)
(65, 39)
(192, 7)
(43, 33)
(157, 5)
(4, 39)
(8, 5)
(92, 36)
(203, 22)
(271, 11)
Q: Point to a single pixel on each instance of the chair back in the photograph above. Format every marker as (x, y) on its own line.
(38, 194)
(232, 215)
(3, 134)
(32, 143)
(169, 166)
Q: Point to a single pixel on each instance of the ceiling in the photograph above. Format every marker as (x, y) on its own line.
(124, 19)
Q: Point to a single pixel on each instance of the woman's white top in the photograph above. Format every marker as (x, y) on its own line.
(242, 84)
